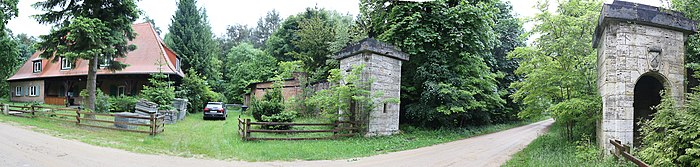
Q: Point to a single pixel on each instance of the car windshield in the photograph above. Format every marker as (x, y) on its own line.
(214, 106)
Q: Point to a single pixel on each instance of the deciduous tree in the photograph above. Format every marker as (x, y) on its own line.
(9, 54)
(559, 69)
(312, 36)
(246, 65)
(266, 26)
(446, 82)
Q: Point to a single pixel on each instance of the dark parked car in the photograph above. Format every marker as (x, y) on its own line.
(215, 110)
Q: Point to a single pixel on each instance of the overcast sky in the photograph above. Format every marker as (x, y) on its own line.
(227, 12)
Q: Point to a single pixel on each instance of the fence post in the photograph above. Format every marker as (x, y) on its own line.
(77, 117)
(33, 111)
(336, 124)
(6, 109)
(352, 126)
(247, 129)
(153, 124)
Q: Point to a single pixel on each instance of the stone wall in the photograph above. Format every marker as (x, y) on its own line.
(383, 67)
(25, 97)
(625, 53)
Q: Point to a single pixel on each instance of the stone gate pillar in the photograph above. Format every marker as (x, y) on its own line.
(382, 64)
(634, 41)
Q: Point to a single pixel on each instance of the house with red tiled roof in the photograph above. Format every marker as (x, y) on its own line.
(60, 81)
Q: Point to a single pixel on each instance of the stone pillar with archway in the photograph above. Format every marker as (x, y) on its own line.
(640, 53)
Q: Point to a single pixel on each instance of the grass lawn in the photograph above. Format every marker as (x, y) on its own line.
(552, 149)
(194, 137)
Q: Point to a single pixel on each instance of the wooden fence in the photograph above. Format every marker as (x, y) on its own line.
(155, 124)
(338, 128)
(624, 151)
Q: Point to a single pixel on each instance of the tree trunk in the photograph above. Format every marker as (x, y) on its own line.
(91, 86)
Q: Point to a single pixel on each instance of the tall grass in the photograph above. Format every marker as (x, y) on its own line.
(553, 149)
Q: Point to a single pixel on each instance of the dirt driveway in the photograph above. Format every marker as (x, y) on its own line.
(20, 146)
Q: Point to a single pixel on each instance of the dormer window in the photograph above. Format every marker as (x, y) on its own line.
(177, 64)
(36, 66)
(65, 64)
(105, 61)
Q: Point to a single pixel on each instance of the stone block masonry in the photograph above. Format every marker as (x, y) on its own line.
(383, 66)
(635, 41)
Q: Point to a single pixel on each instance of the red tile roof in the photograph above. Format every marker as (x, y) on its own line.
(150, 50)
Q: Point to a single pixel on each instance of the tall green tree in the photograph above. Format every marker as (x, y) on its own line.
(559, 70)
(9, 54)
(510, 35)
(9, 11)
(266, 26)
(446, 82)
(25, 45)
(190, 36)
(89, 30)
(235, 35)
(312, 36)
(246, 65)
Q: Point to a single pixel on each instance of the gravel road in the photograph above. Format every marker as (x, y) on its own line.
(22, 147)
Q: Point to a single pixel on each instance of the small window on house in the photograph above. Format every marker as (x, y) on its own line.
(18, 91)
(33, 90)
(105, 61)
(36, 66)
(65, 64)
(121, 90)
(177, 64)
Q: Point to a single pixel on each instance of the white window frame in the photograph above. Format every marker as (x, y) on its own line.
(18, 91)
(65, 64)
(36, 66)
(121, 90)
(32, 90)
(177, 64)
(106, 61)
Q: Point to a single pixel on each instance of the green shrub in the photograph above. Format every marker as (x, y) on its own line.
(260, 108)
(197, 91)
(587, 150)
(160, 91)
(122, 103)
(344, 90)
(672, 136)
(102, 104)
(271, 109)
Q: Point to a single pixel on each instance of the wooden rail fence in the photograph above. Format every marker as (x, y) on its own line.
(155, 123)
(624, 151)
(245, 130)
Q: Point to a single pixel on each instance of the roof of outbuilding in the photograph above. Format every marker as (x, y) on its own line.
(150, 50)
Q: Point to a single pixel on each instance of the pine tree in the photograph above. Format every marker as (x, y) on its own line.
(190, 36)
(88, 30)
